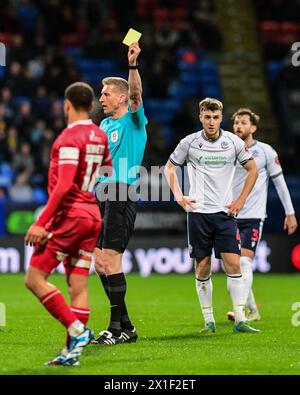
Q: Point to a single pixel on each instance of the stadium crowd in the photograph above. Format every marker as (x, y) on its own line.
(49, 44)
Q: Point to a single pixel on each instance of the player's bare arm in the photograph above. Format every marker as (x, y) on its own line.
(134, 79)
(170, 172)
(235, 207)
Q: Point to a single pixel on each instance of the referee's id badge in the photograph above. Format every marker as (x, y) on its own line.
(114, 136)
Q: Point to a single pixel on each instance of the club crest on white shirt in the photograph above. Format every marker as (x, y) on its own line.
(114, 136)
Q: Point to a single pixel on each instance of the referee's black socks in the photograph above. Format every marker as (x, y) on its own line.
(118, 311)
(104, 281)
(125, 320)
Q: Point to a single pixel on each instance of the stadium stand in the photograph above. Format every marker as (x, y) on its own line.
(51, 44)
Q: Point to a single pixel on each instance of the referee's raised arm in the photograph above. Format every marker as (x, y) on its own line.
(134, 79)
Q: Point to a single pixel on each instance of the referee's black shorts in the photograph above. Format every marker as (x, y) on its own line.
(118, 217)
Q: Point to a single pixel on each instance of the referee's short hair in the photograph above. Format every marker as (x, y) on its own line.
(81, 95)
(210, 104)
(120, 84)
(254, 118)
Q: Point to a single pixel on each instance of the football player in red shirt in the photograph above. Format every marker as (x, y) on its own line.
(67, 229)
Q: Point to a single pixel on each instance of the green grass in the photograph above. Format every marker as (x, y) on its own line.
(166, 313)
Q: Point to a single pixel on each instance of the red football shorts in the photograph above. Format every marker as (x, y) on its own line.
(73, 243)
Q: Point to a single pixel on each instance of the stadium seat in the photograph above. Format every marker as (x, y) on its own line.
(161, 110)
(187, 66)
(190, 77)
(39, 195)
(211, 91)
(74, 52)
(2, 72)
(207, 67)
(6, 174)
(273, 69)
(18, 100)
(209, 79)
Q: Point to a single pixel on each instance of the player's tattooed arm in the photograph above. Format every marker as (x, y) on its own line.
(134, 79)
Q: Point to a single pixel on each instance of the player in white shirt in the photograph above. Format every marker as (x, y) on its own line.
(211, 155)
(251, 217)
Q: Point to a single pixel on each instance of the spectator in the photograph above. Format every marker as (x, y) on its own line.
(21, 191)
(23, 159)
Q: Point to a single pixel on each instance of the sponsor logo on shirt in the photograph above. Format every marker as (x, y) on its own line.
(95, 138)
(212, 160)
(255, 153)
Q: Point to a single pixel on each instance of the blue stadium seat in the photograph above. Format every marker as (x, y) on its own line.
(93, 78)
(2, 72)
(190, 77)
(18, 100)
(184, 66)
(207, 67)
(168, 133)
(211, 91)
(100, 66)
(39, 195)
(274, 67)
(74, 52)
(6, 174)
(209, 79)
(161, 110)
(190, 90)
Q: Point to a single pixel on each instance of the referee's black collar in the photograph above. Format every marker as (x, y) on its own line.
(211, 141)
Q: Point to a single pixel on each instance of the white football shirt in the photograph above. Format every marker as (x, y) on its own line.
(211, 166)
(268, 165)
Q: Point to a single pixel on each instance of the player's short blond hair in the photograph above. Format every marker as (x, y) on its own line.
(254, 118)
(210, 104)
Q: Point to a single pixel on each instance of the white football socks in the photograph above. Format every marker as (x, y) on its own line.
(235, 287)
(204, 290)
(246, 270)
(251, 304)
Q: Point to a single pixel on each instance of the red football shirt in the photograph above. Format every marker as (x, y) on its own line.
(77, 156)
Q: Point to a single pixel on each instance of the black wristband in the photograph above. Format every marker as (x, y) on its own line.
(133, 67)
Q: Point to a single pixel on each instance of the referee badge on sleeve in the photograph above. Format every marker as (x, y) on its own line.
(114, 136)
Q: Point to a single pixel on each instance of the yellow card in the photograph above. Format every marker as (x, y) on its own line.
(132, 36)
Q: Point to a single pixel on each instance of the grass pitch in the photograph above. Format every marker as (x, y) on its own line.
(166, 313)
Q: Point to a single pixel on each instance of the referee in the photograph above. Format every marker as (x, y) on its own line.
(125, 127)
